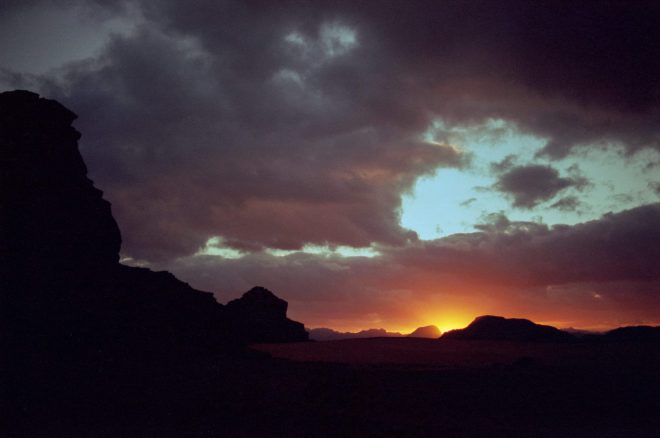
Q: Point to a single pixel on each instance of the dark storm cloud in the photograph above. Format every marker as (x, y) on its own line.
(188, 149)
(504, 165)
(575, 74)
(567, 203)
(276, 124)
(532, 184)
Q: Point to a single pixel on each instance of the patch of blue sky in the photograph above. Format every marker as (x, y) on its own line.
(454, 200)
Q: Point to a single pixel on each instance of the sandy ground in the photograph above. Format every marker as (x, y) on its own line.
(435, 353)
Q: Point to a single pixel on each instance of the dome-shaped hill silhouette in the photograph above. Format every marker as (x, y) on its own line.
(260, 316)
(502, 329)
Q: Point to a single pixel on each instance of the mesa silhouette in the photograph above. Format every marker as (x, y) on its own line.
(497, 328)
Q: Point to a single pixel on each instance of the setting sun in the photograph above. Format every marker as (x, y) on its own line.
(453, 321)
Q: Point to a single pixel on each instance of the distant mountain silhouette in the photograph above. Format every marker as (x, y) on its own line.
(581, 333)
(260, 316)
(498, 328)
(429, 331)
(327, 334)
(642, 333)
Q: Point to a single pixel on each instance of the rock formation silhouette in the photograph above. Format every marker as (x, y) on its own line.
(497, 328)
(260, 316)
(54, 222)
(76, 324)
(60, 251)
(82, 335)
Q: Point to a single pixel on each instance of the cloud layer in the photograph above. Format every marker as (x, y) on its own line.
(251, 120)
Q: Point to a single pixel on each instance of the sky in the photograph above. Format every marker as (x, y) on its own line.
(378, 164)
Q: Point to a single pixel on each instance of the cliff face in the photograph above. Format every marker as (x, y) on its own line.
(59, 249)
(87, 343)
(54, 221)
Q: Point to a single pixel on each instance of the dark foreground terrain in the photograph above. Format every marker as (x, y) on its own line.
(467, 388)
(359, 388)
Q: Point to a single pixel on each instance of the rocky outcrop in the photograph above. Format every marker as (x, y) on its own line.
(61, 281)
(54, 222)
(497, 328)
(260, 316)
(63, 289)
(429, 331)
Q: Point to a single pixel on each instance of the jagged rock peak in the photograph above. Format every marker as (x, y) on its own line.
(262, 301)
(58, 218)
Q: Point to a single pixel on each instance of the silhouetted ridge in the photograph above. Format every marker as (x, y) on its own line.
(498, 328)
(260, 316)
(328, 334)
(641, 333)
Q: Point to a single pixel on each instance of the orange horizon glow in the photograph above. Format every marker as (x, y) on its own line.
(455, 306)
(452, 321)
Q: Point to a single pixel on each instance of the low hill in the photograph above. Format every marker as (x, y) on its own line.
(641, 333)
(260, 316)
(497, 328)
